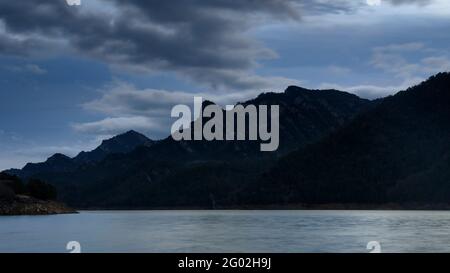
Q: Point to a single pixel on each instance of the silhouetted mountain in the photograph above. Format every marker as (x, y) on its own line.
(305, 117)
(308, 115)
(336, 148)
(54, 164)
(123, 143)
(60, 163)
(200, 173)
(397, 152)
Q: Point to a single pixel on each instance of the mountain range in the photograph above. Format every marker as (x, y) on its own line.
(334, 148)
(59, 163)
(397, 152)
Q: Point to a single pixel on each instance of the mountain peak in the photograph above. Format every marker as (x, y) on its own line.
(435, 91)
(123, 143)
(440, 81)
(441, 76)
(131, 133)
(58, 156)
(293, 88)
(296, 91)
(129, 138)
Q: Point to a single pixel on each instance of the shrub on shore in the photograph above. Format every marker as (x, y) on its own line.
(10, 186)
(41, 190)
(6, 193)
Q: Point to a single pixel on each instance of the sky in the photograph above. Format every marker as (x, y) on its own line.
(71, 76)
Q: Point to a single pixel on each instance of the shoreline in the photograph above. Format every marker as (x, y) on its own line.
(305, 207)
(22, 205)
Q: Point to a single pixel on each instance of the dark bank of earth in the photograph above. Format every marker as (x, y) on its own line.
(25, 205)
(34, 197)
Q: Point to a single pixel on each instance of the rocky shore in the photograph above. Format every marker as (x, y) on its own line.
(25, 205)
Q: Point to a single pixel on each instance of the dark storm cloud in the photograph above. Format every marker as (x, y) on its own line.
(11, 46)
(189, 37)
(203, 40)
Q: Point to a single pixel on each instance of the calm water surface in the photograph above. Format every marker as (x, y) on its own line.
(229, 231)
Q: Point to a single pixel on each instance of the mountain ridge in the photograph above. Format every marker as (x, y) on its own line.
(124, 179)
(339, 149)
(383, 155)
(122, 143)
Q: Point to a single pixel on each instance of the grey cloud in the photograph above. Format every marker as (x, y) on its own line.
(204, 40)
(317, 7)
(122, 99)
(393, 59)
(414, 2)
(20, 46)
(189, 37)
(372, 91)
(114, 126)
(148, 110)
(314, 7)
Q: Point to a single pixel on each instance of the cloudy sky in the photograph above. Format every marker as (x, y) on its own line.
(73, 75)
